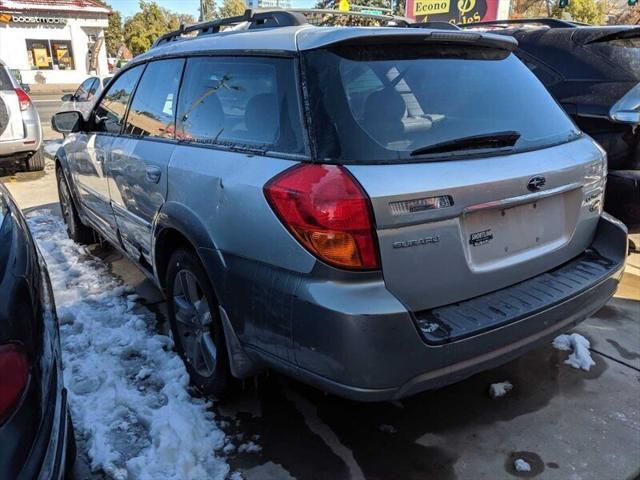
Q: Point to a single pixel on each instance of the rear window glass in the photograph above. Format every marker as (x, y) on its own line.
(5, 81)
(380, 104)
(248, 101)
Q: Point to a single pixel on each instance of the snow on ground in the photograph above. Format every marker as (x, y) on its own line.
(500, 389)
(580, 356)
(128, 390)
(521, 465)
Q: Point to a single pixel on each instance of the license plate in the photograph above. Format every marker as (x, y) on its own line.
(498, 235)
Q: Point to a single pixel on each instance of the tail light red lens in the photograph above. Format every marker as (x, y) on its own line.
(14, 374)
(23, 98)
(328, 212)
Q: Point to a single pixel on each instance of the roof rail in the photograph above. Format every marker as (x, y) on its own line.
(255, 19)
(547, 22)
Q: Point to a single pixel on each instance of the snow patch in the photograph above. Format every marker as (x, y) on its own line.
(521, 465)
(249, 447)
(500, 389)
(128, 390)
(581, 356)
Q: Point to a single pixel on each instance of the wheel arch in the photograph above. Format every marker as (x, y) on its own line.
(178, 226)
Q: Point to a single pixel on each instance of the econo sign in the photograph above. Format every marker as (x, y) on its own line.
(456, 11)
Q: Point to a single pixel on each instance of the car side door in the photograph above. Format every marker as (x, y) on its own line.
(140, 156)
(89, 151)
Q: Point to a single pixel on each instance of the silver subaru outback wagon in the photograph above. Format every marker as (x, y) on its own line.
(374, 211)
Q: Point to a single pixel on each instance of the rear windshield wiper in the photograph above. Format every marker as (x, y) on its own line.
(487, 140)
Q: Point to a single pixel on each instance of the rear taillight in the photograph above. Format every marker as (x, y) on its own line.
(328, 212)
(23, 98)
(14, 374)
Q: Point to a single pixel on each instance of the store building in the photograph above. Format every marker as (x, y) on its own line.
(53, 41)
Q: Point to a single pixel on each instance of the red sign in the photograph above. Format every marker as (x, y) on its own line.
(456, 11)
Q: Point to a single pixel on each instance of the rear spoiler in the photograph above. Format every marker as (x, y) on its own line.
(310, 39)
(605, 34)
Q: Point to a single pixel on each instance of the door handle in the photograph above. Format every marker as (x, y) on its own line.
(153, 174)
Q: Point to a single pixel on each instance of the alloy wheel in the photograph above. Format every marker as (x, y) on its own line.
(193, 320)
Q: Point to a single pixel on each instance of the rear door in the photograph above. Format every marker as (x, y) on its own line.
(139, 157)
(456, 217)
(90, 150)
(11, 126)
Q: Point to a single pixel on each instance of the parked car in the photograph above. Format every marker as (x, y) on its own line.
(83, 98)
(374, 211)
(594, 72)
(20, 130)
(36, 433)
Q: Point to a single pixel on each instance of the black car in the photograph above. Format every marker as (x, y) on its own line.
(594, 73)
(36, 434)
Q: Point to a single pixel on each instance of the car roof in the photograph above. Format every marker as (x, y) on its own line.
(308, 37)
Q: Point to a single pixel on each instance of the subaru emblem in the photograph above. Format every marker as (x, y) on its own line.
(536, 183)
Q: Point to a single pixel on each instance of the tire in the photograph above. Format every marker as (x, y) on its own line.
(4, 117)
(196, 326)
(72, 450)
(77, 231)
(35, 163)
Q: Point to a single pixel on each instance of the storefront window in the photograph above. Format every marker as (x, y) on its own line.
(39, 54)
(50, 54)
(62, 54)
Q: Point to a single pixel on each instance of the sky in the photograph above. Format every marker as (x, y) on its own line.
(129, 7)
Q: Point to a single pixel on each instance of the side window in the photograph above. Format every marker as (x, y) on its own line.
(82, 94)
(246, 101)
(153, 105)
(109, 113)
(94, 88)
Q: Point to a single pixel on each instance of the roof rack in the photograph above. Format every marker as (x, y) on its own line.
(265, 18)
(255, 19)
(547, 22)
(389, 19)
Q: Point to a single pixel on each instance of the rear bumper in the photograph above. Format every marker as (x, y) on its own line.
(30, 143)
(359, 342)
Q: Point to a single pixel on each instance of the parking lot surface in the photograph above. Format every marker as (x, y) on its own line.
(564, 422)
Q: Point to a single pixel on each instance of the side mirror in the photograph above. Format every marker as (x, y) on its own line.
(67, 122)
(68, 97)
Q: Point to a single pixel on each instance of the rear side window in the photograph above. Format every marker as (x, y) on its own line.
(5, 81)
(241, 102)
(389, 103)
(109, 114)
(153, 106)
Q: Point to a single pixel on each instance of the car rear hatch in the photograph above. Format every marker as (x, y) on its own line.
(11, 126)
(478, 180)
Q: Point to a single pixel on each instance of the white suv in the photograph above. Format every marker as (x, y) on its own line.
(20, 129)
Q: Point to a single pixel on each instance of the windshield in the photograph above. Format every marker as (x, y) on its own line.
(384, 104)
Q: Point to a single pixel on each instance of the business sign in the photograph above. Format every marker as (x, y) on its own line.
(456, 11)
(31, 19)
